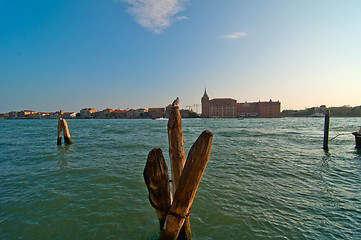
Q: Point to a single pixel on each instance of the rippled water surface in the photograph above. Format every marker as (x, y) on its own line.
(265, 179)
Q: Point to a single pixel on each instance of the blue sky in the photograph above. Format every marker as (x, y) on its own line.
(144, 53)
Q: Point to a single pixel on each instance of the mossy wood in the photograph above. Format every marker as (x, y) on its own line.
(157, 180)
(191, 175)
(177, 159)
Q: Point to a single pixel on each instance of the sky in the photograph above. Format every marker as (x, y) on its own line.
(72, 54)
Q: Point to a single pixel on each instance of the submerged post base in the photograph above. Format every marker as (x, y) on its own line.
(357, 139)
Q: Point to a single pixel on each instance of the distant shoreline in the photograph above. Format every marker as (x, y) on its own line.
(240, 118)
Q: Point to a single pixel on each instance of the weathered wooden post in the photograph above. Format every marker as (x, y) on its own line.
(60, 126)
(326, 130)
(157, 181)
(67, 138)
(191, 175)
(60, 130)
(177, 160)
(176, 146)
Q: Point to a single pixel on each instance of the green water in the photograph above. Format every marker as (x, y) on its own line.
(265, 179)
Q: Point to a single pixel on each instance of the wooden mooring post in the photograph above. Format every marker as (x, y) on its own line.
(60, 130)
(326, 130)
(186, 175)
(63, 127)
(177, 160)
(191, 176)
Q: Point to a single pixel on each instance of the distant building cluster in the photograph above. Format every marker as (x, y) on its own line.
(29, 114)
(229, 108)
(88, 113)
(211, 108)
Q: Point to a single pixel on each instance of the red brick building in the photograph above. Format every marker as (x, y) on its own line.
(229, 108)
(157, 112)
(205, 104)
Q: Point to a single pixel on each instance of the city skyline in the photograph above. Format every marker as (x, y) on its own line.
(139, 54)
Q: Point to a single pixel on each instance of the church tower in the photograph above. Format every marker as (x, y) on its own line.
(205, 104)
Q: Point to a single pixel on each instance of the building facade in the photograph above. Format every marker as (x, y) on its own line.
(222, 107)
(229, 108)
(157, 112)
(87, 113)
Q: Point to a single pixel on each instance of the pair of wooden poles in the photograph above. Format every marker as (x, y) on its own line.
(173, 214)
(63, 127)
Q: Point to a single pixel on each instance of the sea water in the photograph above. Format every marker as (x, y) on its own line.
(265, 179)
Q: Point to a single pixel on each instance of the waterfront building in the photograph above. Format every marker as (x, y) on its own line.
(87, 113)
(26, 114)
(130, 113)
(118, 114)
(205, 104)
(184, 113)
(222, 107)
(13, 114)
(4, 115)
(229, 108)
(157, 112)
(269, 109)
(69, 114)
(54, 115)
(140, 113)
(38, 115)
(103, 114)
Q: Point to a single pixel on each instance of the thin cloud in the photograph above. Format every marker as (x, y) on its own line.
(155, 15)
(234, 35)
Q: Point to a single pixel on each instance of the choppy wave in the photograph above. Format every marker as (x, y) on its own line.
(266, 179)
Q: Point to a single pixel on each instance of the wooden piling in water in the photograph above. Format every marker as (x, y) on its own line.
(191, 175)
(60, 130)
(177, 160)
(157, 180)
(176, 146)
(67, 138)
(326, 130)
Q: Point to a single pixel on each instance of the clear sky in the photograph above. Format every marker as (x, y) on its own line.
(71, 54)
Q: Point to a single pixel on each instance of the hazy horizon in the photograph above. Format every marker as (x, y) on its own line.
(186, 107)
(139, 54)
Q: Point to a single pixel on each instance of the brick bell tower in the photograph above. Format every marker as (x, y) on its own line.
(205, 104)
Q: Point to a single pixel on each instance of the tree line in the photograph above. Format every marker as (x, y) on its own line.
(344, 111)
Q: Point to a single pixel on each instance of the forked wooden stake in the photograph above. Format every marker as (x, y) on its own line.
(177, 160)
(191, 176)
(157, 180)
